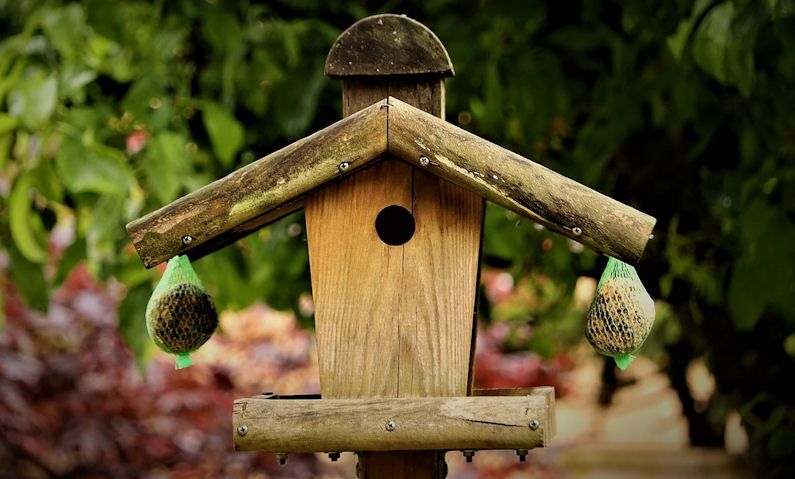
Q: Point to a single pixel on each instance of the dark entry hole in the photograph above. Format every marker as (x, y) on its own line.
(394, 225)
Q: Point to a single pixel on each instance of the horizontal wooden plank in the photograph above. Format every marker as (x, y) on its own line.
(514, 182)
(261, 191)
(394, 424)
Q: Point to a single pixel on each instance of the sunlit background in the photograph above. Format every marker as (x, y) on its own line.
(685, 110)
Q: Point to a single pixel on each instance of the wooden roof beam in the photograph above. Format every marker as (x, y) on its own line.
(264, 191)
(232, 207)
(518, 184)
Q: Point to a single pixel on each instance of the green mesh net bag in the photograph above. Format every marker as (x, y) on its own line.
(621, 315)
(180, 315)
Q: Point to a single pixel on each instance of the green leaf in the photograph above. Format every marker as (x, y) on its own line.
(105, 233)
(138, 100)
(47, 181)
(677, 41)
(789, 345)
(132, 322)
(712, 39)
(723, 45)
(295, 102)
(7, 123)
(26, 228)
(779, 9)
(223, 31)
(166, 164)
(747, 295)
(761, 277)
(73, 80)
(34, 100)
(226, 133)
(5, 146)
(65, 28)
(28, 277)
(96, 169)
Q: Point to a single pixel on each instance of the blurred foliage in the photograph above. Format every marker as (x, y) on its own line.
(684, 109)
(73, 403)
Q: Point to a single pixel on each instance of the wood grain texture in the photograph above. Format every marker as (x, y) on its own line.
(260, 192)
(394, 321)
(516, 183)
(439, 288)
(434, 423)
(356, 282)
(388, 45)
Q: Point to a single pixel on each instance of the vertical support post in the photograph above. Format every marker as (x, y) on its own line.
(394, 320)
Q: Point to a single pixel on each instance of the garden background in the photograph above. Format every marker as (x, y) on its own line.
(685, 110)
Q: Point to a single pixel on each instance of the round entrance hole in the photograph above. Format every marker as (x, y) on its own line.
(394, 225)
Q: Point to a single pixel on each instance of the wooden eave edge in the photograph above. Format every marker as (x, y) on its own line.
(261, 192)
(518, 184)
(267, 189)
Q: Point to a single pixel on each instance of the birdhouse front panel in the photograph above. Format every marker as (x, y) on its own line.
(384, 308)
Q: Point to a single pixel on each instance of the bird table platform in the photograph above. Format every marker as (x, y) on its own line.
(394, 200)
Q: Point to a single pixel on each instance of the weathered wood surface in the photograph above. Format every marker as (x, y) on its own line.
(394, 321)
(433, 423)
(514, 182)
(388, 45)
(257, 193)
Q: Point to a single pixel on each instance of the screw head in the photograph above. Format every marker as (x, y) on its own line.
(187, 239)
(390, 426)
(577, 231)
(242, 430)
(534, 424)
(424, 161)
(344, 166)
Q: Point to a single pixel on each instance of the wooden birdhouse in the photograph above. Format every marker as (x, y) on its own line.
(394, 199)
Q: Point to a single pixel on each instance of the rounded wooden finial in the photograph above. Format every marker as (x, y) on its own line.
(387, 44)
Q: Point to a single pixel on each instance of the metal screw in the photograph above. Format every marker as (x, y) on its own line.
(534, 424)
(424, 161)
(469, 454)
(390, 426)
(651, 236)
(522, 453)
(187, 239)
(282, 457)
(577, 231)
(333, 456)
(344, 166)
(242, 430)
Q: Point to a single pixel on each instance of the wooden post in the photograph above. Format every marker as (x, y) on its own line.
(394, 320)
